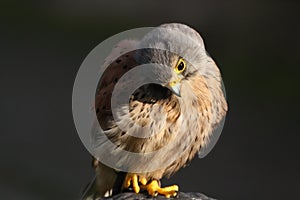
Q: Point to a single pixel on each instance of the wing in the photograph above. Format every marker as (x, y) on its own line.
(118, 64)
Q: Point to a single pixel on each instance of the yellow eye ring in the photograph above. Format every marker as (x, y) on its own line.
(180, 66)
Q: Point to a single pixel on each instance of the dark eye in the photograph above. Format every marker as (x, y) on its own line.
(180, 67)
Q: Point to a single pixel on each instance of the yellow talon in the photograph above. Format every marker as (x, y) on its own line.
(143, 181)
(154, 189)
(132, 179)
(135, 184)
(127, 183)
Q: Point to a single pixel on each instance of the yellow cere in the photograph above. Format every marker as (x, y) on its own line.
(180, 66)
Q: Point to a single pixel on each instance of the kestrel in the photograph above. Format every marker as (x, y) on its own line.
(183, 110)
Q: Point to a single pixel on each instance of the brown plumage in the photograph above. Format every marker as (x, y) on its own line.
(191, 117)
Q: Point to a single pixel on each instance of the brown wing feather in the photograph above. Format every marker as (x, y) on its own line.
(106, 85)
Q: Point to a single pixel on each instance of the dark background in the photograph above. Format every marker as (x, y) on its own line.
(255, 43)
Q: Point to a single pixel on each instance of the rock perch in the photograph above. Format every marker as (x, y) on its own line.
(142, 196)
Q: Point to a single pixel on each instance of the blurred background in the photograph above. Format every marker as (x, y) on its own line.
(255, 43)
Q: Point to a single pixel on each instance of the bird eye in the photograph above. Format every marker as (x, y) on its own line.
(180, 66)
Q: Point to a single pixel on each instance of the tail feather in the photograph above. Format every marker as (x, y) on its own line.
(90, 190)
(102, 184)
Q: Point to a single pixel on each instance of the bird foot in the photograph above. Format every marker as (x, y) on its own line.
(152, 188)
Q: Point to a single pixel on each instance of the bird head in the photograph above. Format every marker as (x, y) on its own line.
(179, 51)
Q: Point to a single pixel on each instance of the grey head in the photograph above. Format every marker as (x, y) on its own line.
(179, 51)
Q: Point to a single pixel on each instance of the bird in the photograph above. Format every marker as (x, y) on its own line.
(182, 109)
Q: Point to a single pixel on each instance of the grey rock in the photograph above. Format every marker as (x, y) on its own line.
(143, 196)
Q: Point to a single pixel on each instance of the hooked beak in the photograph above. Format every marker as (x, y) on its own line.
(174, 86)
